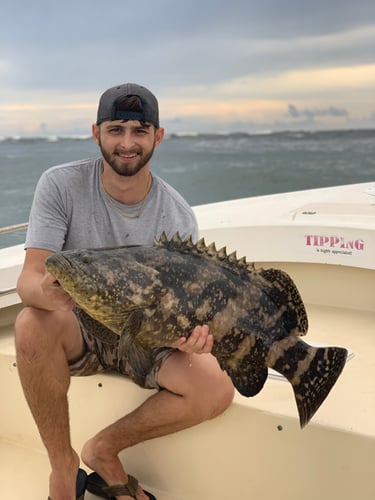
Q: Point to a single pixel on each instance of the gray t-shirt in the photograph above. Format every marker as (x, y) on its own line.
(70, 210)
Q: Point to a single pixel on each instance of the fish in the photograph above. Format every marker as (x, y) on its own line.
(146, 297)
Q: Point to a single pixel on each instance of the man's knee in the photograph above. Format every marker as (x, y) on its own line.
(200, 380)
(41, 330)
(26, 327)
(48, 333)
(222, 394)
(214, 394)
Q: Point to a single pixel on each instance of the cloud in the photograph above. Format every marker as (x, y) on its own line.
(311, 114)
(166, 43)
(241, 62)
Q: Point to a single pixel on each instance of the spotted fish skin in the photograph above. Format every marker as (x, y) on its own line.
(147, 297)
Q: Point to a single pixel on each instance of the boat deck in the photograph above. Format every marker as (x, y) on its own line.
(337, 446)
(325, 240)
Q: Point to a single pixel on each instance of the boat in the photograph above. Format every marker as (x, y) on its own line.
(325, 239)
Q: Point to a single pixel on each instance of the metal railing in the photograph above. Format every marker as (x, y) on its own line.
(14, 228)
(7, 291)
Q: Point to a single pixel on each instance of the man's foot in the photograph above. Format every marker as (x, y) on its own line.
(81, 483)
(99, 487)
(109, 470)
(67, 482)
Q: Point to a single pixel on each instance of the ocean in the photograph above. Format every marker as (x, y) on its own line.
(204, 168)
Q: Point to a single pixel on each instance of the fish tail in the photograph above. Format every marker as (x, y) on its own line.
(312, 371)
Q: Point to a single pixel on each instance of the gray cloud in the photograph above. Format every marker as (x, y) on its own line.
(311, 114)
(90, 44)
(68, 52)
(143, 21)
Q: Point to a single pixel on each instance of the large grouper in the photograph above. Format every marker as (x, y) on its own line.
(142, 298)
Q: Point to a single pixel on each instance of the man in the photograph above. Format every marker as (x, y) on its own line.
(109, 201)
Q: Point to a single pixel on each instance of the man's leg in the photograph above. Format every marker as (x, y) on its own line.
(196, 389)
(44, 342)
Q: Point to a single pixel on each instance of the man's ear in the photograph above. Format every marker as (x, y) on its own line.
(159, 135)
(95, 132)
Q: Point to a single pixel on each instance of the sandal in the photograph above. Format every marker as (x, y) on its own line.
(97, 486)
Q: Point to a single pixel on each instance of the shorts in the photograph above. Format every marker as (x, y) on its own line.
(101, 355)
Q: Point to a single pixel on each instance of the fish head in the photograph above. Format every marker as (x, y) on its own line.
(106, 283)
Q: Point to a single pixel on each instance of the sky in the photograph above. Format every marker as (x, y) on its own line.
(216, 66)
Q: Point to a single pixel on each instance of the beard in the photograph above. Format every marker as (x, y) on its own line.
(131, 168)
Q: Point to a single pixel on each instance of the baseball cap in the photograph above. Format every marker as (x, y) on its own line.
(107, 109)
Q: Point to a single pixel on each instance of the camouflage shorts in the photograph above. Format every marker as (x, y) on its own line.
(101, 355)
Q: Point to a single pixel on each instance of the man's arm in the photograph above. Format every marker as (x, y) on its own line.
(37, 287)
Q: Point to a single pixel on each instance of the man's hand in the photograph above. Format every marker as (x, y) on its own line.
(199, 342)
(58, 298)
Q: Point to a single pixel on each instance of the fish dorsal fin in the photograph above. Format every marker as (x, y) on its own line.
(283, 292)
(277, 284)
(229, 261)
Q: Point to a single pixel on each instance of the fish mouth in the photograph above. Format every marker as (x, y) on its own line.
(58, 265)
(73, 273)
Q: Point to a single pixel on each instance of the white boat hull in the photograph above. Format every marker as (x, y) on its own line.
(256, 448)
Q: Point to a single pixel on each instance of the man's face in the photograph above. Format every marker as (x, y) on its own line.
(127, 146)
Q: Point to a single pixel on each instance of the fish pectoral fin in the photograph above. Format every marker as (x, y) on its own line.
(140, 357)
(132, 322)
